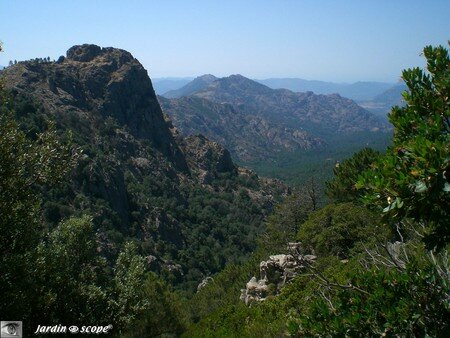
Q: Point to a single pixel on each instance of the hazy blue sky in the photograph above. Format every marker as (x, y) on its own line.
(339, 40)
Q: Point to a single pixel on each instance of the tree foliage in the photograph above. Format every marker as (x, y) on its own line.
(339, 229)
(342, 188)
(283, 224)
(25, 165)
(53, 273)
(387, 286)
(412, 181)
(382, 302)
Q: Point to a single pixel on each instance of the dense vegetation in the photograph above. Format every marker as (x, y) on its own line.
(86, 215)
(381, 242)
(382, 267)
(299, 168)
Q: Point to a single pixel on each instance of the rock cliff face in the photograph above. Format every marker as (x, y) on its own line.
(138, 177)
(106, 82)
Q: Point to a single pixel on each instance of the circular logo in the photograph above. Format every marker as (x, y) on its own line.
(73, 329)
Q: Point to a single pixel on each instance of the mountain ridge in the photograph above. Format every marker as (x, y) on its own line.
(248, 137)
(260, 124)
(193, 86)
(298, 110)
(359, 91)
(138, 177)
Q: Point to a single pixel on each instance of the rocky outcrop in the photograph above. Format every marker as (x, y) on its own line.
(211, 158)
(276, 272)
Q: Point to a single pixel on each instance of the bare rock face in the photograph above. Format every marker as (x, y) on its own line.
(276, 272)
(255, 290)
(211, 157)
(84, 53)
(109, 82)
(204, 282)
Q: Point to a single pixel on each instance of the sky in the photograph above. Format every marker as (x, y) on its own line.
(339, 41)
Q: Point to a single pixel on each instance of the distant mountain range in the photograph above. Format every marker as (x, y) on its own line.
(382, 103)
(192, 87)
(165, 84)
(357, 91)
(256, 122)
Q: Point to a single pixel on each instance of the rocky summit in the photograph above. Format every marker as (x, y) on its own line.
(106, 82)
(260, 124)
(137, 175)
(314, 113)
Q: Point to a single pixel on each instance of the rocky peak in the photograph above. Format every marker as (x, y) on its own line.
(207, 78)
(88, 53)
(199, 83)
(83, 53)
(106, 82)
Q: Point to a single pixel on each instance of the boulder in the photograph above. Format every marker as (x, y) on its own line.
(204, 282)
(276, 272)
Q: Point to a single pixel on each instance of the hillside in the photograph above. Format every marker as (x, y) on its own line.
(248, 137)
(138, 177)
(382, 103)
(291, 136)
(192, 87)
(313, 113)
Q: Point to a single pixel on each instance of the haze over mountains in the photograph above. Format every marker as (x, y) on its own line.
(165, 84)
(256, 122)
(358, 91)
(382, 103)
